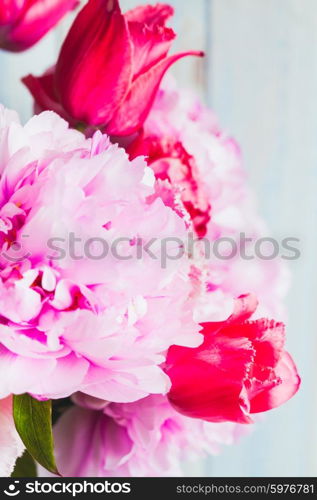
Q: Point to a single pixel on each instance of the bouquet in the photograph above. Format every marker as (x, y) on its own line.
(136, 297)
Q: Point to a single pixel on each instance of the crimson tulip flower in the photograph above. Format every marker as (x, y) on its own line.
(25, 22)
(109, 68)
(240, 369)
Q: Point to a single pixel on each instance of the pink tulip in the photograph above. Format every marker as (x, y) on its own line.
(25, 22)
(240, 369)
(109, 68)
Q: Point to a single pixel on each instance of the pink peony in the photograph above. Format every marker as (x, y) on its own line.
(97, 325)
(10, 443)
(146, 438)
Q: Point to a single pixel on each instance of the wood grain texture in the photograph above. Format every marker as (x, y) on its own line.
(264, 81)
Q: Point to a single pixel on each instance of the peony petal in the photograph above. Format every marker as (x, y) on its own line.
(19, 303)
(64, 380)
(19, 374)
(125, 387)
(98, 443)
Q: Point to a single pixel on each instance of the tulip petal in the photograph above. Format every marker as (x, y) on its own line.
(9, 11)
(207, 382)
(150, 14)
(43, 91)
(239, 369)
(150, 37)
(150, 45)
(35, 20)
(94, 69)
(137, 105)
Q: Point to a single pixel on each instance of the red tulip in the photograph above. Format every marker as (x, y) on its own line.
(25, 22)
(240, 369)
(109, 68)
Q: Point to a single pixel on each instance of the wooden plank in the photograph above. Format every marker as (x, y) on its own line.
(264, 89)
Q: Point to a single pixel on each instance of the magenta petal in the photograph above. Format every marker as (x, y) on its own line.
(150, 45)
(93, 72)
(35, 19)
(240, 369)
(207, 382)
(137, 105)
(150, 37)
(9, 11)
(150, 14)
(286, 387)
(43, 92)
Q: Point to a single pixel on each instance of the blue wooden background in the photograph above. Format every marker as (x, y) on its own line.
(260, 75)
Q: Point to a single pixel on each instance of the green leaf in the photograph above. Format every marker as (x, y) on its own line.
(25, 466)
(33, 421)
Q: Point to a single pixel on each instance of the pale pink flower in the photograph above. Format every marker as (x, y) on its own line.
(10, 443)
(145, 438)
(98, 325)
